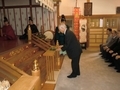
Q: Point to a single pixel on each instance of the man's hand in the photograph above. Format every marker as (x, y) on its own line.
(58, 49)
(114, 54)
(107, 49)
(111, 51)
(117, 57)
(61, 46)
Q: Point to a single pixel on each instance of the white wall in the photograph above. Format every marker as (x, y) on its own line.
(99, 6)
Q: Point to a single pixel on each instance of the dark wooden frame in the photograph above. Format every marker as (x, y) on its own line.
(88, 9)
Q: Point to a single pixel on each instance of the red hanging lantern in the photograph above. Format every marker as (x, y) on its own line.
(76, 14)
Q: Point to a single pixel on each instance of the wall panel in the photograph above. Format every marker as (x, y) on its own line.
(39, 17)
(18, 21)
(24, 19)
(52, 21)
(11, 18)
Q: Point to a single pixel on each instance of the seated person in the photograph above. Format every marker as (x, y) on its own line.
(33, 29)
(110, 44)
(109, 33)
(58, 35)
(7, 31)
(114, 49)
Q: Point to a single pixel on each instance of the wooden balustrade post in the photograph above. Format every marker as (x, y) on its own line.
(57, 56)
(29, 34)
(36, 72)
(50, 58)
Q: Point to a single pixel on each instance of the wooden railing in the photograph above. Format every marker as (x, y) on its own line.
(40, 42)
(18, 79)
(10, 72)
(21, 60)
(49, 55)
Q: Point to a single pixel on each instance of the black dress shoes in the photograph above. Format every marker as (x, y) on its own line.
(72, 76)
(118, 71)
(78, 74)
(111, 65)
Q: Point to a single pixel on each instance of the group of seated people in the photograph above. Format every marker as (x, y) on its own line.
(9, 34)
(110, 51)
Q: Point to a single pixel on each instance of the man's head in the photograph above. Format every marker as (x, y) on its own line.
(109, 31)
(62, 28)
(63, 19)
(6, 21)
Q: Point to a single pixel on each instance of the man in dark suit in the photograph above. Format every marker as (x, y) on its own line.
(73, 49)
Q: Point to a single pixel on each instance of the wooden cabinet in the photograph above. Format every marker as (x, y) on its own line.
(111, 22)
(97, 29)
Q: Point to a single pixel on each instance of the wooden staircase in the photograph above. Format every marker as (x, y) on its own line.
(21, 59)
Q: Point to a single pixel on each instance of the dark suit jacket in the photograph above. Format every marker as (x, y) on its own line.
(113, 41)
(117, 47)
(59, 36)
(72, 45)
(114, 45)
(33, 28)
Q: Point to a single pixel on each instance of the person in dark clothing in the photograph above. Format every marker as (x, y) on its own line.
(7, 30)
(73, 49)
(109, 33)
(58, 35)
(33, 29)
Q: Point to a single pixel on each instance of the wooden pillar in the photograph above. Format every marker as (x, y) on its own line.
(42, 17)
(29, 34)
(58, 13)
(36, 72)
(88, 0)
(49, 20)
(3, 5)
(30, 4)
(50, 58)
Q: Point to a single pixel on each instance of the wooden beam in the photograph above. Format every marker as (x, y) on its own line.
(57, 0)
(42, 17)
(58, 13)
(30, 4)
(3, 5)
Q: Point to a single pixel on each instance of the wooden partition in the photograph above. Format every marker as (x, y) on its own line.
(95, 37)
(52, 63)
(97, 26)
(49, 55)
(21, 58)
(16, 64)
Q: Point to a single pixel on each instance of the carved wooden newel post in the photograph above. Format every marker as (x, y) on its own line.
(29, 34)
(57, 57)
(36, 72)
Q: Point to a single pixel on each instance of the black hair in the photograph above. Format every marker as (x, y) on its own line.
(109, 29)
(63, 18)
(5, 19)
(30, 18)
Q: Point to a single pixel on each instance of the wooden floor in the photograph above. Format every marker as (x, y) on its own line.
(10, 44)
(6, 45)
(48, 87)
